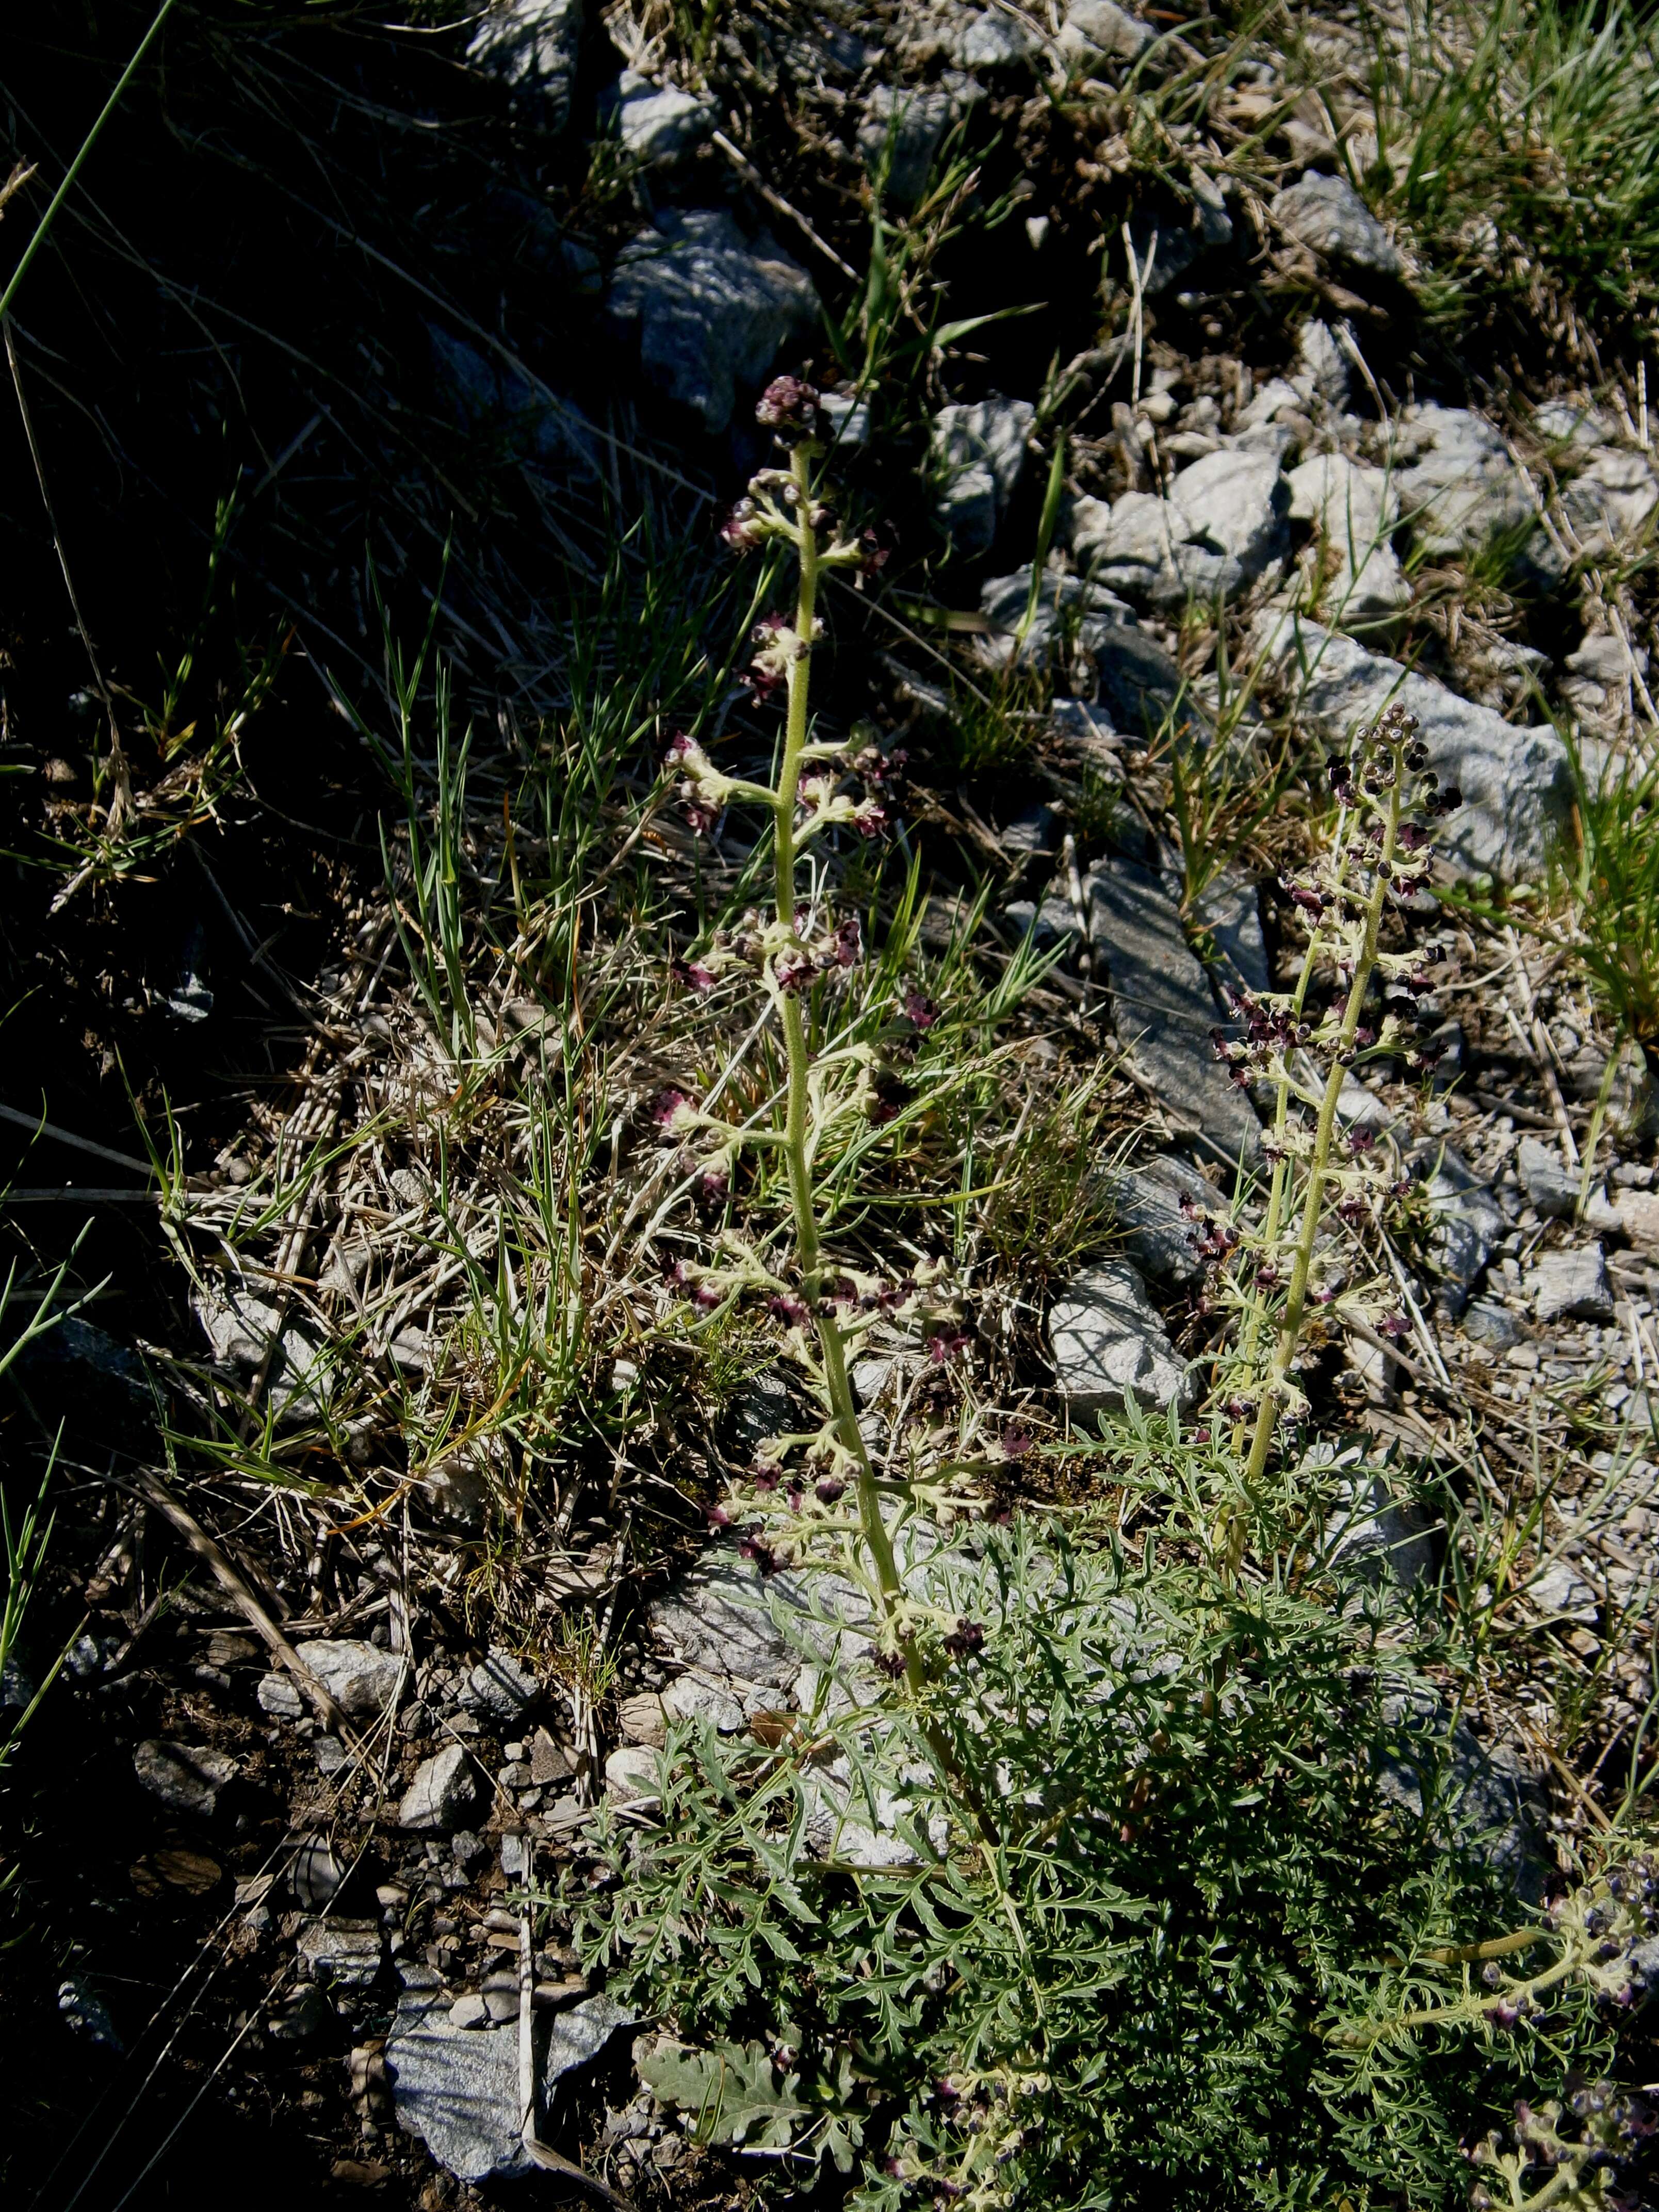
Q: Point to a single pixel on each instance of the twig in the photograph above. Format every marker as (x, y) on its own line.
(156, 1490)
(38, 1127)
(750, 175)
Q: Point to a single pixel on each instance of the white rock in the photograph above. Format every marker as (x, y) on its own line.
(500, 1688)
(534, 45)
(1354, 510)
(279, 1697)
(1097, 30)
(1458, 489)
(246, 1332)
(991, 41)
(1517, 788)
(1607, 503)
(644, 1720)
(1324, 363)
(631, 1773)
(1577, 424)
(469, 2010)
(977, 452)
(658, 122)
(692, 1696)
(1221, 527)
(1107, 1343)
(1572, 1286)
(442, 1793)
(1559, 1592)
(1327, 215)
(359, 1677)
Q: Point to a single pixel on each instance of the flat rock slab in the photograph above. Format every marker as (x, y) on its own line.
(457, 2087)
(711, 308)
(1164, 1008)
(1516, 785)
(1135, 682)
(1457, 486)
(1109, 1343)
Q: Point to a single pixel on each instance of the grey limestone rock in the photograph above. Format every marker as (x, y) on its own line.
(1229, 917)
(978, 457)
(245, 1331)
(1099, 30)
(1163, 1007)
(1219, 529)
(1373, 1533)
(903, 127)
(1354, 510)
(500, 1688)
(359, 1677)
(1468, 1223)
(186, 1778)
(1487, 1322)
(457, 2087)
(1516, 782)
(1324, 363)
(1551, 1186)
(658, 122)
(1491, 1792)
(488, 398)
(1576, 427)
(1136, 681)
(534, 44)
(1572, 1286)
(1326, 215)
(1606, 504)
(1458, 489)
(712, 309)
(440, 1795)
(1109, 1343)
(345, 1953)
(279, 1697)
(1158, 1236)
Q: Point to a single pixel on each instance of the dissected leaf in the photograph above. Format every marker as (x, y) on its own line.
(732, 2091)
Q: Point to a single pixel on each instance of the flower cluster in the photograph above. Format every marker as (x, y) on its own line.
(1578, 2171)
(773, 506)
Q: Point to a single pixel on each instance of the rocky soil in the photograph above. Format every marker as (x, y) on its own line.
(350, 1664)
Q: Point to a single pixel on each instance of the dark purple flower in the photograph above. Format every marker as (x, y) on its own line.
(829, 1489)
(966, 1640)
(695, 975)
(888, 1097)
(1016, 1442)
(789, 1308)
(891, 1663)
(790, 408)
(947, 1345)
(745, 527)
(718, 1517)
(875, 545)
(753, 1547)
(870, 818)
(673, 1112)
(1394, 1324)
(920, 1010)
(846, 947)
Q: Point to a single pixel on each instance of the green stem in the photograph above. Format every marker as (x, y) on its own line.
(1290, 1326)
(74, 169)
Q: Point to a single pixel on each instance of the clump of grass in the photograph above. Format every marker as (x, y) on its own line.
(1611, 883)
(1521, 144)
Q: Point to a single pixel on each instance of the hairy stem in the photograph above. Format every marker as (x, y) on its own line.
(1296, 1302)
